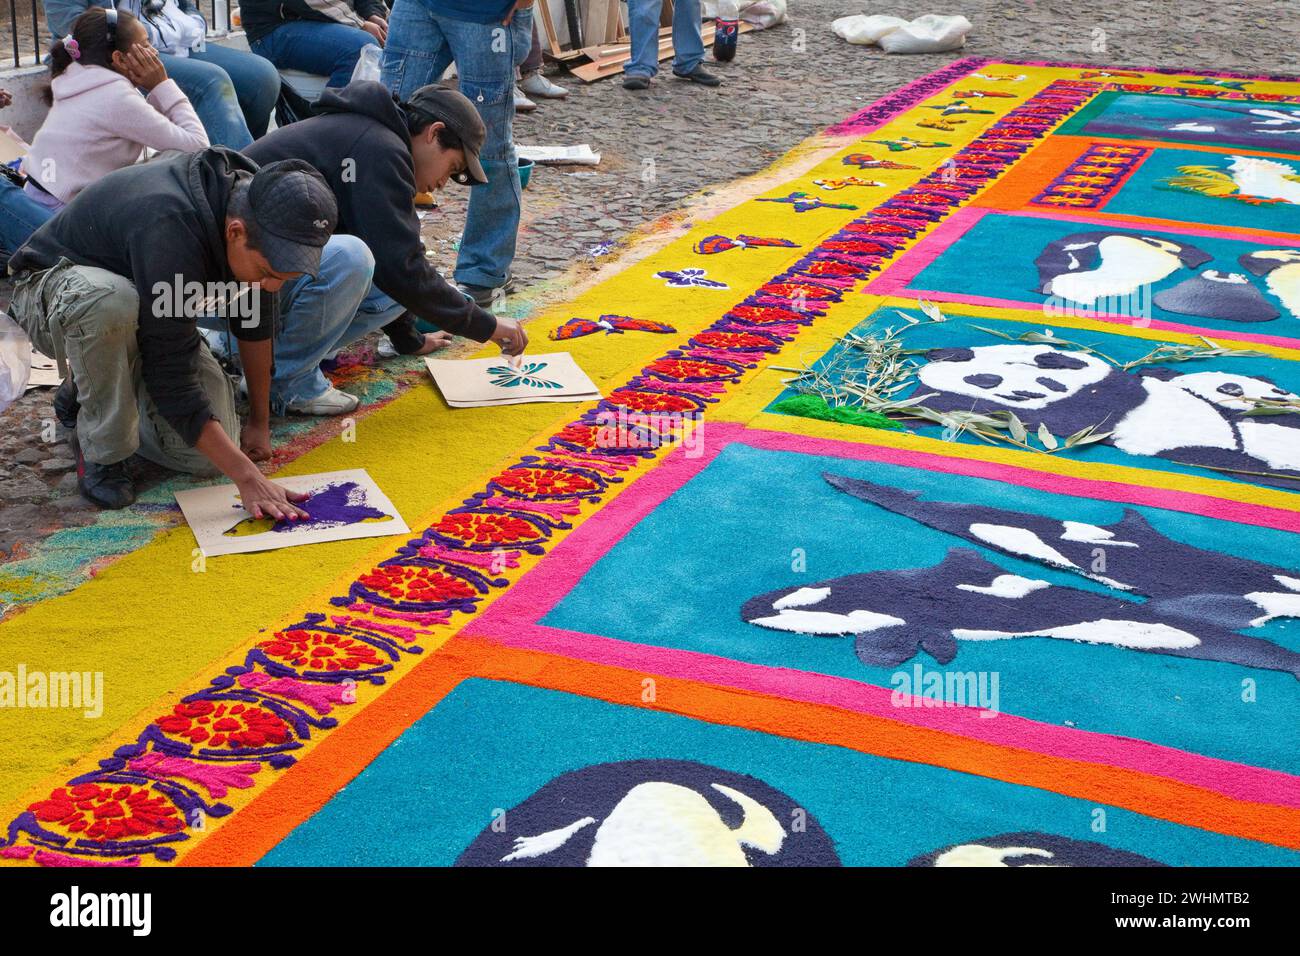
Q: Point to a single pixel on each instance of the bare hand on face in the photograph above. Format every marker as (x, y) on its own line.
(512, 338)
(263, 498)
(377, 27)
(143, 67)
(519, 5)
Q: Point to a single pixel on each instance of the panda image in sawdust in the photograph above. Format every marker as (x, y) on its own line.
(1197, 601)
(653, 813)
(1196, 418)
(1031, 849)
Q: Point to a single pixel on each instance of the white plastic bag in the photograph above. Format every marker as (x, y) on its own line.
(367, 67)
(15, 361)
(928, 34)
(761, 14)
(866, 30)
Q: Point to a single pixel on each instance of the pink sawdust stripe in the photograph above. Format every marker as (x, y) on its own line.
(1185, 228)
(912, 263)
(512, 620)
(897, 279)
(1241, 512)
(871, 118)
(1124, 321)
(1235, 780)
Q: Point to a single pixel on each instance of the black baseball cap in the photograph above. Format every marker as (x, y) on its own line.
(296, 212)
(438, 104)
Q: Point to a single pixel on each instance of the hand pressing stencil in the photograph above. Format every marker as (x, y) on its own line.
(332, 506)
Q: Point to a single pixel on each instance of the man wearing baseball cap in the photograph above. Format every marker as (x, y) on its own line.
(376, 153)
(487, 40)
(114, 286)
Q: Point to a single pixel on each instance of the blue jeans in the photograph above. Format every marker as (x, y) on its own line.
(232, 91)
(20, 216)
(325, 49)
(643, 24)
(420, 46)
(321, 317)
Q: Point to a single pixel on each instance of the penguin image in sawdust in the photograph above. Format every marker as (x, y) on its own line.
(1281, 271)
(1195, 418)
(1086, 266)
(653, 813)
(1031, 849)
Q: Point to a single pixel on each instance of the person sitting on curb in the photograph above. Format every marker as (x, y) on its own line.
(232, 90)
(323, 37)
(98, 121)
(111, 287)
(688, 44)
(377, 153)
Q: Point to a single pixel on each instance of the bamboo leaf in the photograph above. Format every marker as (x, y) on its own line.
(1046, 437)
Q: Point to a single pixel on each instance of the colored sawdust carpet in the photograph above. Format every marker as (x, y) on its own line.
(941, 510)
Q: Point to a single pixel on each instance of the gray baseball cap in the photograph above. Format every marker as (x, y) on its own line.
(451, 108)
(296, 213)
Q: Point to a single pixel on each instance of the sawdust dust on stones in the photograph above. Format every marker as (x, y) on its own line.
(777, 93)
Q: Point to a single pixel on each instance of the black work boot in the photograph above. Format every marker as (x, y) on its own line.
(66, 405)
(699, 75)
(108, 486)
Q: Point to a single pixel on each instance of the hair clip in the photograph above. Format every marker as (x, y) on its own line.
(70, 44)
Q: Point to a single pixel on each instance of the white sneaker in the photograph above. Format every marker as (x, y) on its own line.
(522, 103)
(329, 402)
(534, 84)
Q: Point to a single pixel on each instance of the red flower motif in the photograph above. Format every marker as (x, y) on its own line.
(539, 481)
(411, 583)
(823, 268)
(742, 341)
(606, 435)
(650, 401)
(319, 651)
(473, 528)
(689, 368)
(765, 315)
(859, 246)
(107, 812)
(224, 723)
(797, 290)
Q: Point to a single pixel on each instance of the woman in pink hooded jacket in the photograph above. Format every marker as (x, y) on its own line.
(98, 121)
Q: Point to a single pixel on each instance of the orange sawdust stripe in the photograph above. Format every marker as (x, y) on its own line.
(247, 835)
(263, 823)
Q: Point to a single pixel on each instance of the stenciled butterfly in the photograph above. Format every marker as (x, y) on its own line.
(507, 377)
(576, 328)
(686, 278)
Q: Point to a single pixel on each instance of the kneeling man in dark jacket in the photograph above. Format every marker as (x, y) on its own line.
(376, 154)
(116, 285)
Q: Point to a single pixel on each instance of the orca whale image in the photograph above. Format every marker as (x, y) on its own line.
(892, 615)
(1182, 579)
(1031, 849)
(1196, 601)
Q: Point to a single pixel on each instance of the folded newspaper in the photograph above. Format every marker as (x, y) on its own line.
(564, 155)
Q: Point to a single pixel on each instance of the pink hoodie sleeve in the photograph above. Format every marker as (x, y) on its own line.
(166, 120)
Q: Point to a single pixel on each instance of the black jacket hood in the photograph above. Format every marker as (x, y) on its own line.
(367, 98)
